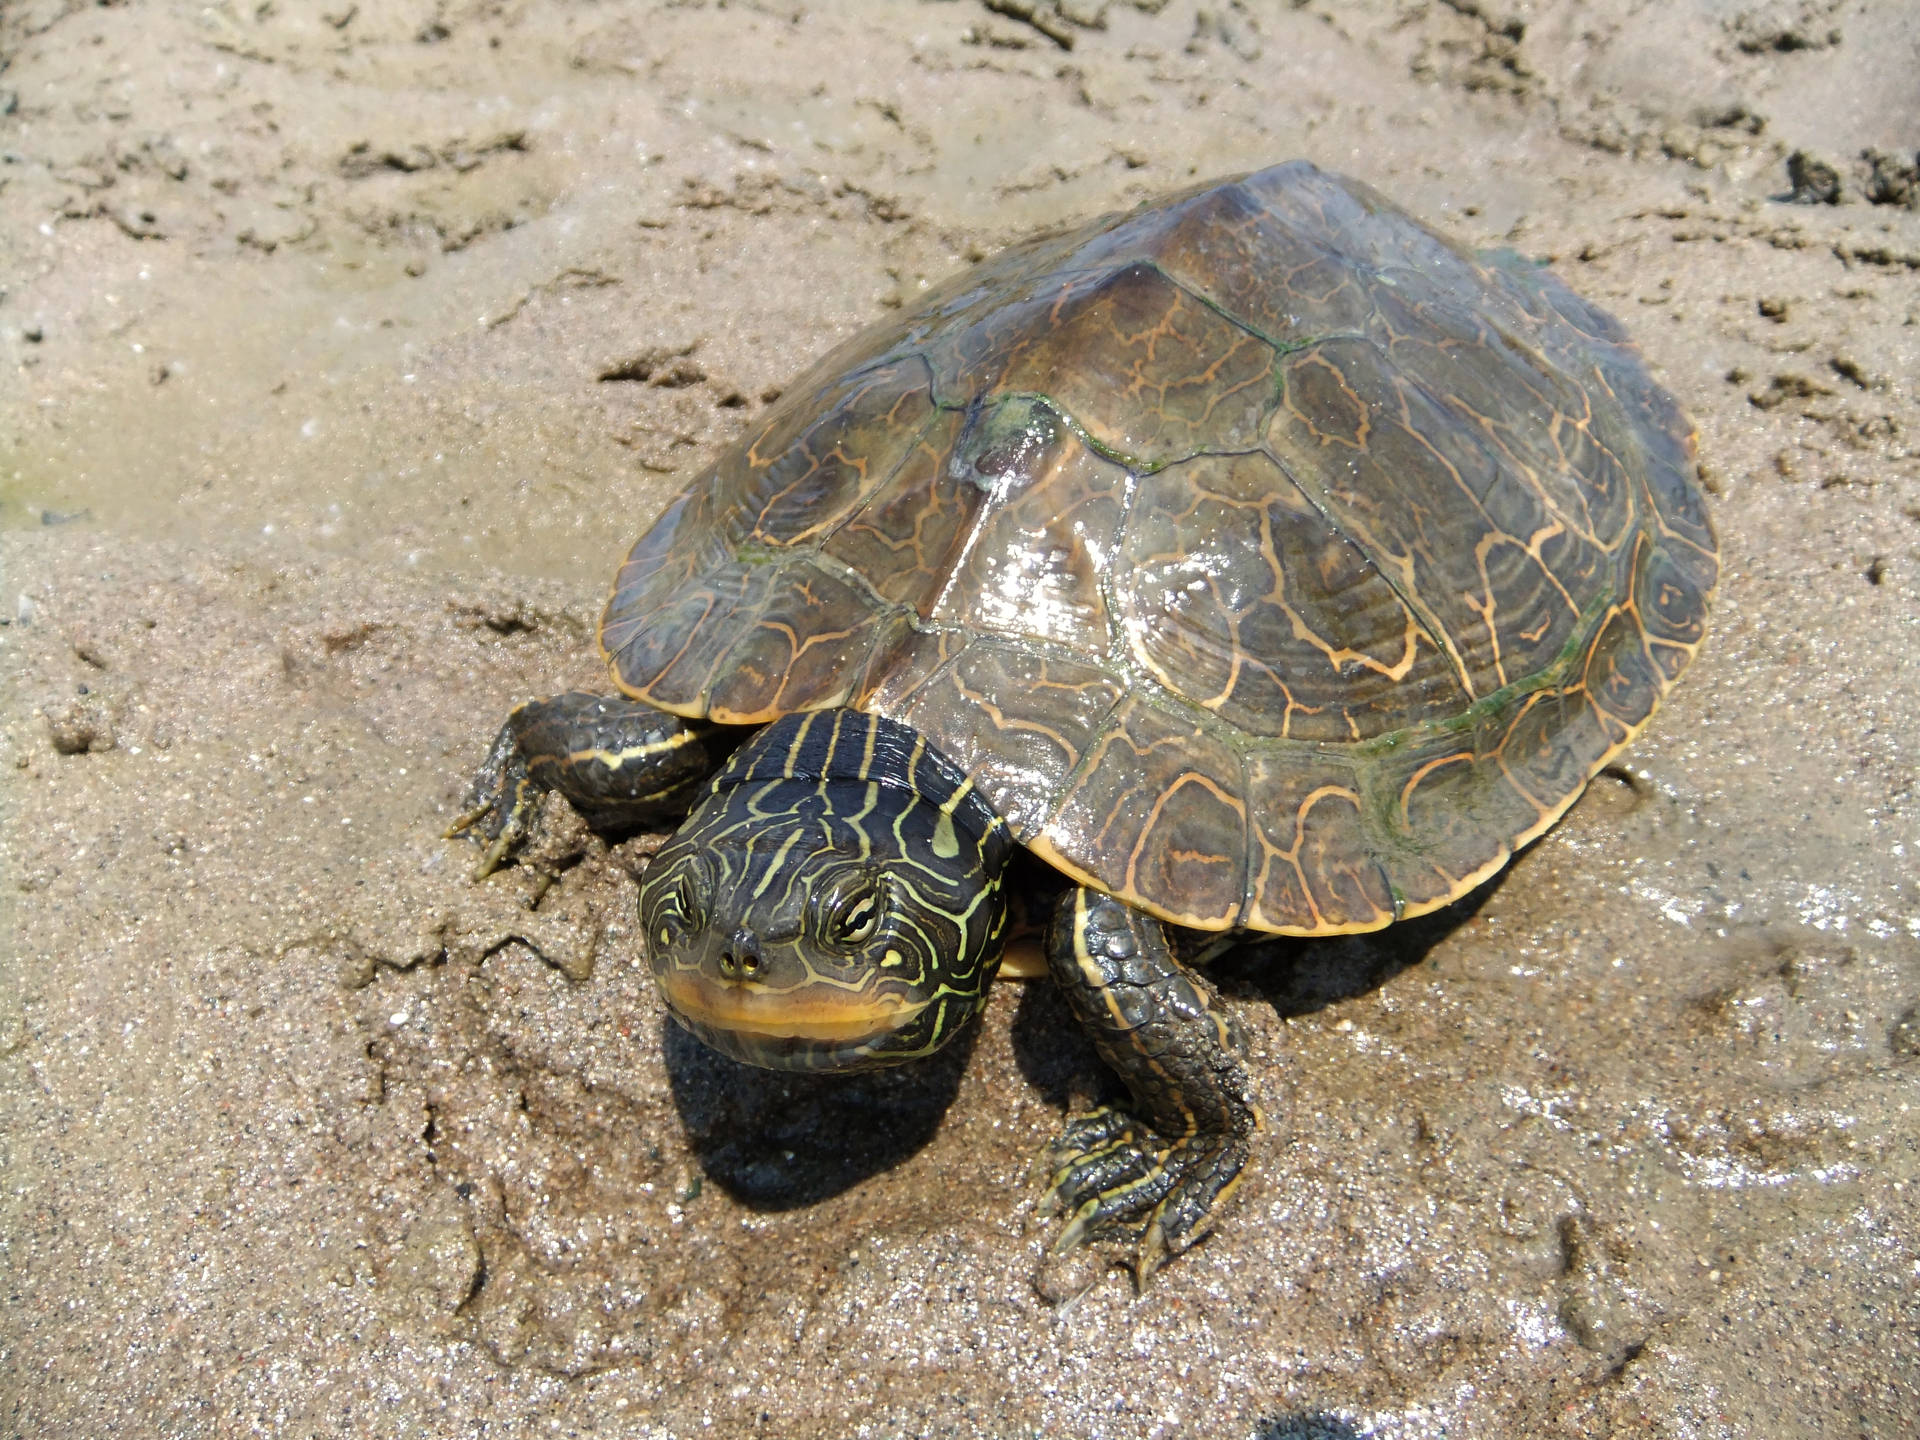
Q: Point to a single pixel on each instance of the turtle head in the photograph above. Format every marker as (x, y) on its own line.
(834, 903)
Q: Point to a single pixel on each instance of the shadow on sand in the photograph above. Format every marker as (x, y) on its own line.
(1305, 1425)
(778, 1141)
(775, 1140)
(1298, 977)
(1294, 976)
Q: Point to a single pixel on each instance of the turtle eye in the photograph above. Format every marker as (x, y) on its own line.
(680, 907)
(686, 899)
(850, 909)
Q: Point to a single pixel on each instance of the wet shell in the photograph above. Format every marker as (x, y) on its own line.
(1266, 559)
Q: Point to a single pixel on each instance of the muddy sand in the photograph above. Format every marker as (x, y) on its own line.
(345, 350)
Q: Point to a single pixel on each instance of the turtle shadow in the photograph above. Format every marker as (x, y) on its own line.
(1296, 976)
(1305, 1425)
(1055, 1056)
(1299, 976)
(778, 1140)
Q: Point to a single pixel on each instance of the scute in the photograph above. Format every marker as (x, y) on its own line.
(1037, 717)
(1037, 560)
(1240, 596)
(1150, 371)
(1265, 558)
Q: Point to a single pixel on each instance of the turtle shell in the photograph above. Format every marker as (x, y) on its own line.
(1268, 560)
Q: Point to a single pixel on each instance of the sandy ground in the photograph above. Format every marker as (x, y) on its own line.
(310, 466)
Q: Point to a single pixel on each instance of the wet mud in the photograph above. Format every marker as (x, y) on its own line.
(347, 348)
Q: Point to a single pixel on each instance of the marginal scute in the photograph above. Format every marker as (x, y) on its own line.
(1312, 868)
(1264, 558)
(1624, 684)
(685, 543)
(1670, 585)
(663, 643)
(1553, 746)
(1433, 804)
(1672, 481)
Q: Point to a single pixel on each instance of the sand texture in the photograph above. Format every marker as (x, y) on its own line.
(343, 351)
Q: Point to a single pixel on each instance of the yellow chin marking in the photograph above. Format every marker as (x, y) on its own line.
(829, 1017)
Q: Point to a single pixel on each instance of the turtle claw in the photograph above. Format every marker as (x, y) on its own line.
(1079, 1230)
(1122, 1181)
(501, 805)
(502, 840)
(1151, 1172)
(497, 852)
(464, 819)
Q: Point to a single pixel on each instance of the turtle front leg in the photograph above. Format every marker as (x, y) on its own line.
(621, 764)
(1159, 1169)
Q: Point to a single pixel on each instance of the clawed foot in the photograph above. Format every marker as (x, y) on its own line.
(501, 805)
(1115, 1178)
(1157, 1170)
(620, 764)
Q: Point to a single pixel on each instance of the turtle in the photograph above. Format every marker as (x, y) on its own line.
(1255, 562)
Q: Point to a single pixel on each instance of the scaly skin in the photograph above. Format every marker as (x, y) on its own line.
(1160, 1170)
(623, 765)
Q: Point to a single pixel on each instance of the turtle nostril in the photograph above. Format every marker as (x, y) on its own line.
(742, 955)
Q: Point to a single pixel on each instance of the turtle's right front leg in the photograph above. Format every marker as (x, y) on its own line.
(1159, 1168)
(623, 765)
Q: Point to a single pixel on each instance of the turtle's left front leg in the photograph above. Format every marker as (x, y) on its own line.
(621, 764)
(1159, 1168)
